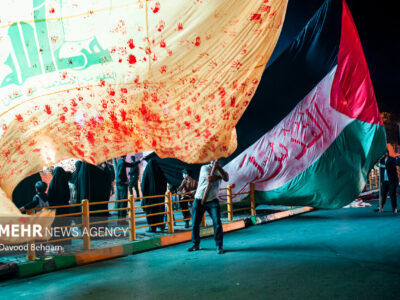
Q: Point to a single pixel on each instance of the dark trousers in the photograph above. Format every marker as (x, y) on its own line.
(214, 210)
(185, 206)
(133, 183)
(388, 187)
(122, 194)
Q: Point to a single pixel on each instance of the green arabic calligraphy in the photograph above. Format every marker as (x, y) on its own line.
(26, 63)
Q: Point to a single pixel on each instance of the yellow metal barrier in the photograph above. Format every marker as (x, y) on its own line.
(31, 251)
(229, 202)
(86, 224)
(86, 212)
(132, 221)
(170, 212)
(252, 200)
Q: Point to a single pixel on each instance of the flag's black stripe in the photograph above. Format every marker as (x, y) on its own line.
(292, 75)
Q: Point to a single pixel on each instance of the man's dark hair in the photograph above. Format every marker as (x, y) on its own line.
(41, 186)
(187, 172)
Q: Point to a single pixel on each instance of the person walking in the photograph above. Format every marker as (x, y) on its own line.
(389, 180)
(206, 200)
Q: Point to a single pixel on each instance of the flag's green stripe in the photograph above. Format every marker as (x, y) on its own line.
(339, 175)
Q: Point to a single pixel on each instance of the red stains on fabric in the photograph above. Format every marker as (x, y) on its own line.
(73, 103)
(180, 26)
(6, 153)
(131, 44)
(114, 120)
(80, 98)
(163, 69)
(123, 114)
(221, 92)
(255, 17)
(90, 137)
(233, 101)
(266, 8)
(207, 134)
(65, 109)
(93, 122)
(143, 109)
(79, 151)
(102, 82)
(187, 124)
(52, 10)
(148, 50)
(47, 109)
(19, 118)
(162, 44)
(112, 93)
(154, 144)
(154, 97)
(197, 42)
(197, 118)
(62, 119)
(156, 9)
(132, 59)
(124, 90)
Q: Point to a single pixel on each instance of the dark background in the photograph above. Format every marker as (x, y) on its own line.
(379, 30)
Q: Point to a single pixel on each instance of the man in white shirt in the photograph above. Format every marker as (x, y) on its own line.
(211, 204)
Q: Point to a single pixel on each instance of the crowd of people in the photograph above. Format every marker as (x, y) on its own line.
(120, 178)
(110, 178)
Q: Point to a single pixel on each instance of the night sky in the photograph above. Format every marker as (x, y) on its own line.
(379, 29)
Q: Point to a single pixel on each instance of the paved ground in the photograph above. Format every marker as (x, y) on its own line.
(346, 254)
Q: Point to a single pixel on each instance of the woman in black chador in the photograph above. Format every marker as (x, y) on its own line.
(92, 183)
(154, 183)
(58, 193)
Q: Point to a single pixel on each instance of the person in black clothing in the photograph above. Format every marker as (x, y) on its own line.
(389, 180)
(24, 192)
(58, 193)
(134, 177)
(154, 183)
(109, 171)
(122, 184)
(93, 184)
(39, 200)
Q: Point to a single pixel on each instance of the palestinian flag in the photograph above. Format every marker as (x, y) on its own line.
(329, 132)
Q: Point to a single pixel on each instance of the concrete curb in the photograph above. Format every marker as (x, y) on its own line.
(37, 267)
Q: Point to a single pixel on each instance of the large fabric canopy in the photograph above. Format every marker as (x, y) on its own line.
(312, 131)
(97, 79)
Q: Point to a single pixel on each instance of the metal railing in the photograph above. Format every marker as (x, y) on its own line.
(86, 212)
